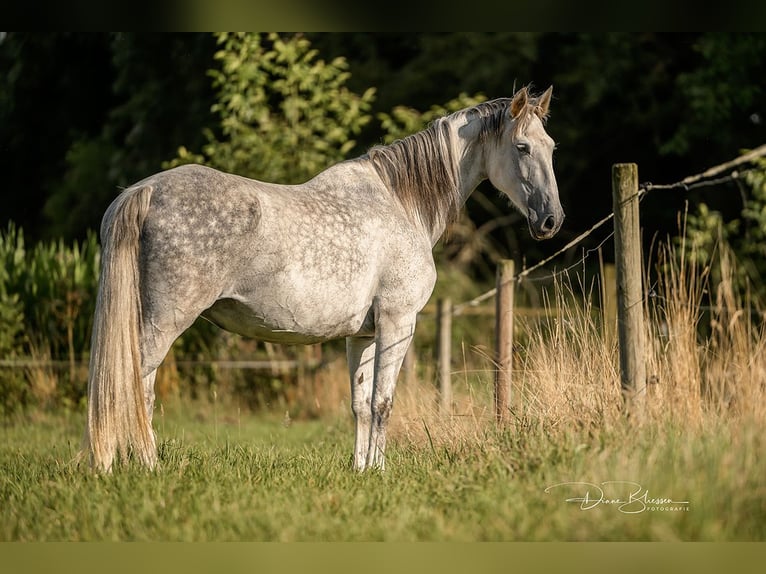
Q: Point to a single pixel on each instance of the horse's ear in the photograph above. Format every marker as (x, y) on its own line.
(543, 103)
(519, 101)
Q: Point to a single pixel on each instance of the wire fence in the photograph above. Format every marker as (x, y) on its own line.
(708, 178)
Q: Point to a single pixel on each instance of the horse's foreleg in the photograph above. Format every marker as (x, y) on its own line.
(361, 362)
(392, 339)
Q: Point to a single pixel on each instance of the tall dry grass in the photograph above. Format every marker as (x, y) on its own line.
(704, 351)
(707, 343)
(705, 355)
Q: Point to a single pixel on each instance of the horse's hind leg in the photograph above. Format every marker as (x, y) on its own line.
(157, 336)
(149, 393)
(153, 351)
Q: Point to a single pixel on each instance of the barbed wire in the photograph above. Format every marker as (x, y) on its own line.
(705, 179)
(690, 182)
(458, 309)
(735, 175)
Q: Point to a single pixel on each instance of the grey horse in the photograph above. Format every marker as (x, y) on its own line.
(346, 254)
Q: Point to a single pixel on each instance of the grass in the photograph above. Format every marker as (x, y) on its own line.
(230, 475)
(261, 480)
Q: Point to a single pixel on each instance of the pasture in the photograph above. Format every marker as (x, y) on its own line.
(691, 470)
(256, 479)
(567, 466)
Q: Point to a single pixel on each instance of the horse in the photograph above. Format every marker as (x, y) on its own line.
(347, 254)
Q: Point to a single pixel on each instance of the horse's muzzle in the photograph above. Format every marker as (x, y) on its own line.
(546, 225)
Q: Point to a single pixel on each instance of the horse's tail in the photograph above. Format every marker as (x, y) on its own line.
(117, 418)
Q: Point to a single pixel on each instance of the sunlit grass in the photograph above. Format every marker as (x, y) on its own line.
(692, 469)
(263, 480)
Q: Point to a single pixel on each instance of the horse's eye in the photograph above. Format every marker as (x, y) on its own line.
(523, 148)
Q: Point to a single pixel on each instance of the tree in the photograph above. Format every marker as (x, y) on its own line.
(403, 120)
(55, 90)
(723, 93)
(160, 97)
(284, 113)
(708, 232)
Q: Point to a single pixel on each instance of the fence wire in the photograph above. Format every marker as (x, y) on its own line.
(708, 178)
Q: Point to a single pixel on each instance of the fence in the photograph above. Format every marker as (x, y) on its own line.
(622, 294)
(504, 312)
(621, 284)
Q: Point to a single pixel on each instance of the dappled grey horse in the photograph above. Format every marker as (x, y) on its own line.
(346, 254)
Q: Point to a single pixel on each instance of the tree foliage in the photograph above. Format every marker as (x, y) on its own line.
(82, 115)
(404, 120)
(722, 100)
(708, 231)
(284, 113)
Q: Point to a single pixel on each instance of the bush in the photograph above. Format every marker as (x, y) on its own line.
(284, 114)
(47, 299)
(12, 384)
(746, 235)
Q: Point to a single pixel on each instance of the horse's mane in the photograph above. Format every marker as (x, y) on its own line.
(422, 170)
(494, 113)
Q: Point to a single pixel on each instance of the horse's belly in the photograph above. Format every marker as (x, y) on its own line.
(280, 324)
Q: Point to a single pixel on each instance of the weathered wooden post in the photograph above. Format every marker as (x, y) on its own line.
(444, 353)
(630, 307)
(609, 301)
(503, 338)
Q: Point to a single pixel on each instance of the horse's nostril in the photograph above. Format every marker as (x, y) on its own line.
(549, 223)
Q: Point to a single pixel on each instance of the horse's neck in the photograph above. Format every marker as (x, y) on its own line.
(472, 166)
(469, 153)
(464, 169)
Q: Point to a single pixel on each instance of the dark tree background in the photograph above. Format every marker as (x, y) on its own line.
(84, 114)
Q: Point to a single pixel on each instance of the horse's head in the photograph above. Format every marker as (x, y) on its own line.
(521, 164)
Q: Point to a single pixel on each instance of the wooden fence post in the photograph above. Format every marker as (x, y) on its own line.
(630, 307)
(503, 338)
(444, 350)
(609, 301)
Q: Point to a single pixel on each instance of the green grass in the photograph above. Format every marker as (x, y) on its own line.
(226, 476)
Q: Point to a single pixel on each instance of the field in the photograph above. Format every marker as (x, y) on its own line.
(259, 478)
(568, 466)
